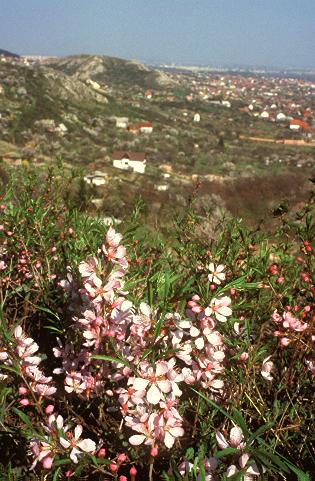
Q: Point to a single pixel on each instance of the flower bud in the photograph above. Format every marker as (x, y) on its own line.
(47, 462)
(154, 452)
(244, 356)
(23, 390)
(49, 409)
(121, 458)
(101, 453)
(133, 472)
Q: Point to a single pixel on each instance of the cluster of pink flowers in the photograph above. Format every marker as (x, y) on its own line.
(143, 367)
(235, 441)
(59, 440)
(290, 325)
(21, 357)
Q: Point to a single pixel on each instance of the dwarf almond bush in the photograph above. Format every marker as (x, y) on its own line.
(135, 355)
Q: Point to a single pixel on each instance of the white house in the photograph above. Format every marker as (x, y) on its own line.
(134, 161)
(226, 103)
(264, 115)
(281, 116)
(197, 118)
(122, 122)
(96, 178)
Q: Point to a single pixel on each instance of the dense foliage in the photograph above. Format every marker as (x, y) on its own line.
(141, 356)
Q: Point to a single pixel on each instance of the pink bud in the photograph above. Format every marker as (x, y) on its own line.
(122, 478)
(277, 333)
(191, 303)
(133, 471)
(121, 458)
(213, 287)
(24, 402)
(244, 356)
(285, 341)
(69, 474)
(113, 467)
(280, 280)
(154, 452)
(47, 462)
(23, 390)
(196, 309)
(49, 409)
(307, 308)
(232, 292)
(196, 297)
(101, 453)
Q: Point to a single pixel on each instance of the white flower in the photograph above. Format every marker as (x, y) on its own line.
(266, 368)
(235, 440)
(216, 273)
(86, 445)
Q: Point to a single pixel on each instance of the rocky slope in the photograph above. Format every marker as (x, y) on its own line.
(109, 70)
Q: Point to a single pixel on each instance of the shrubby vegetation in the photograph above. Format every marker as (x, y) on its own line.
(137, 355)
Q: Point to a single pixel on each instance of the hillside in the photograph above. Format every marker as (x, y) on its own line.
(6, 53)
(109, 70)
(53, 113)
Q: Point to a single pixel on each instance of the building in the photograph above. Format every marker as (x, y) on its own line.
(121, 122)
(297, 124)
(133, 161)
(96, 178)
(141, 127)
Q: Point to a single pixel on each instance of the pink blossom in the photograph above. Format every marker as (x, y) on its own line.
(235, 439)
(77, 445)
(220, 308)
(148, 427)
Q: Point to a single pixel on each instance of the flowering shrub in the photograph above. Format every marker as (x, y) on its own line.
(191, 359)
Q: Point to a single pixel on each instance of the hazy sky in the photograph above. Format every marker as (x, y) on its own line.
(247, 32)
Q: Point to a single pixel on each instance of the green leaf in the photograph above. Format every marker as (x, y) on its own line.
(26, 420)
(55, 329)
(226, 452)
(61, 462)
(189, 454)
(259, 431)
(240, 421)
(56, 474)
(48, 311)
(213, 404)
(301, 475)
(103, 357)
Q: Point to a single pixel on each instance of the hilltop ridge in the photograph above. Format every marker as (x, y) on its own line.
(106, 69)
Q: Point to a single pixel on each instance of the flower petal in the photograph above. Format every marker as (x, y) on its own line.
(236, 436)
(77, 432)
(221, 440)
(153, 394)
(137, 439)
(87, 445)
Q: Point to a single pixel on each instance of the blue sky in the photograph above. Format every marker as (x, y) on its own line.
(247, 32)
